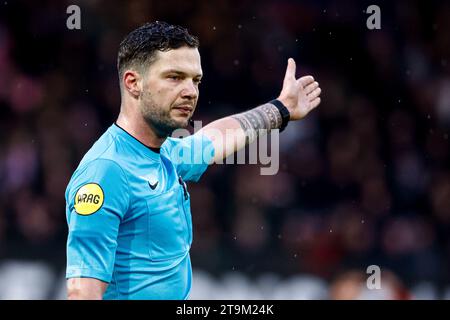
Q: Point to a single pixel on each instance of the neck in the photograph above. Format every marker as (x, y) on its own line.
(139, 129)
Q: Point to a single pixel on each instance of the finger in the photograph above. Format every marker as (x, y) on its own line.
(314, 103)
(290, 70)
(311, 87)
(306, 80)
(314, 94)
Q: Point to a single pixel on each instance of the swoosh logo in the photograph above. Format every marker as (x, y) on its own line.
(153, 186)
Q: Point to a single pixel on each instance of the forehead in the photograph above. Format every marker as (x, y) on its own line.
(184, 59)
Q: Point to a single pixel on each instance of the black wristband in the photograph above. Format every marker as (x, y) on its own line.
(284, 112)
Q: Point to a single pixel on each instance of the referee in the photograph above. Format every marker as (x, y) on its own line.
(127, 205)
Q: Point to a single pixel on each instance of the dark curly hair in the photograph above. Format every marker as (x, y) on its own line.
(139, 47)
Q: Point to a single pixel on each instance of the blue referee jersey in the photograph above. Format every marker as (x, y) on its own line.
(129, 217)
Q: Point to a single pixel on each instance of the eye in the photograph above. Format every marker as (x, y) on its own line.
(197, 81)
(174, 77)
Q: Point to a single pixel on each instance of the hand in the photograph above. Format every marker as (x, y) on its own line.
(301, 95)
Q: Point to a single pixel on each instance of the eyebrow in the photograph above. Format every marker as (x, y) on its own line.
(181, 73)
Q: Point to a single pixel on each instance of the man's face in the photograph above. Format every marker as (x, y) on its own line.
(170, 89)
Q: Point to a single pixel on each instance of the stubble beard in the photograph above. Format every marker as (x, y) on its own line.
(158, 118)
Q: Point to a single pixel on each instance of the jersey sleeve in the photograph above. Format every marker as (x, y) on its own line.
(190, 155)
(97, 199)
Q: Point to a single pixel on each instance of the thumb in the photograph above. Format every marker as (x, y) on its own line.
(290, 70)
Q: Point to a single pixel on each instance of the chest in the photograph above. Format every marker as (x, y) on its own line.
(159, 215)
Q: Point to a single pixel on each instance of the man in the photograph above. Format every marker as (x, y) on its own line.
(128, 209)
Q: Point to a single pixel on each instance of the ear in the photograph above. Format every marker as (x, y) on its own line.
(132, 82)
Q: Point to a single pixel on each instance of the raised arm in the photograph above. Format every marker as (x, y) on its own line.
(232, 133)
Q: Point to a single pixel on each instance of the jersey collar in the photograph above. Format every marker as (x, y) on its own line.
(153, 153)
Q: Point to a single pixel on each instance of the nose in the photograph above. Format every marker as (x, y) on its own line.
(190, 90)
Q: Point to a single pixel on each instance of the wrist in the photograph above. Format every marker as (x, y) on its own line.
(288, 103)
(284, 113)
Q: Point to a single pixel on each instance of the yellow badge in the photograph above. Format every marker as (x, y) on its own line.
(89, 199)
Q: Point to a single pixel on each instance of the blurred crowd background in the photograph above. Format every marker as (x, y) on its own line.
(364, 180)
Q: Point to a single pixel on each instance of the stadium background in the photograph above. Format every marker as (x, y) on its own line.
(364, 179)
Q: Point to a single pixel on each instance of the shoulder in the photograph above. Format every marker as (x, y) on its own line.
(104, 172)
(170, 143)
(107, 155)
(102, 165)
(195, 140)
(106, 147)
